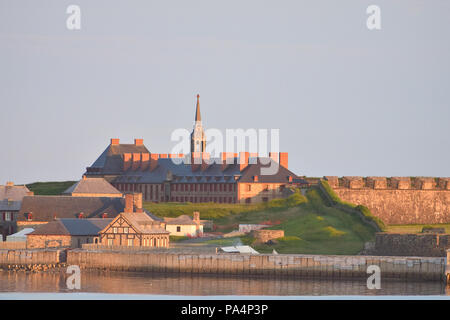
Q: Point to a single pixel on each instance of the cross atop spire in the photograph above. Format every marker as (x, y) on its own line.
(198, 117)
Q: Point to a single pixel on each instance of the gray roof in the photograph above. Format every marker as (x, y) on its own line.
(182, 173)
(92, 186)
(45, 208)
(111, 160)
(181, 220)
(15, 193)
(6, 205)
(73, 227)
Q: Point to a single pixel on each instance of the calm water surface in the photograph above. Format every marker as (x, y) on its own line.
(194, 285)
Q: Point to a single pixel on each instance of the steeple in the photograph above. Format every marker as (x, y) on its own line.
(198, 139)
(198, 117)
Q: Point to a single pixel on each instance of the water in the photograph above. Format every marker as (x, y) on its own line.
(195, 285)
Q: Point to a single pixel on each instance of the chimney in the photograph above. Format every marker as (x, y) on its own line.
(104, 215)
(227, 158)
(84, 177)
(153, 161)
(138, 142)
(115, 142)
(136, 161)
(205, 161)
(145, 161)
(284, 159)
(274, 156)
(196, 216)
(255, 178)
(30, 216)
(126, 161)
(81, 215)
(243, 160)
(9, 184)
(137, 201)
(129, 199)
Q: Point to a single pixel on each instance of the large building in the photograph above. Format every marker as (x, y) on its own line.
(231, 178)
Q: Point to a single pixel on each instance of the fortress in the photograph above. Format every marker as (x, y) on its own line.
(398, 200)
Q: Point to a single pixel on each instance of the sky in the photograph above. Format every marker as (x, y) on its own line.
(347, 100)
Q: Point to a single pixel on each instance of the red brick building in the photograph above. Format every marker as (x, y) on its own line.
(231, 178)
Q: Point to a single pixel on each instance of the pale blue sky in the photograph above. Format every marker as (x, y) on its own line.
(347, 101)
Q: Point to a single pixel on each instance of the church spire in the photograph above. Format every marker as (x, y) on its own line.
(198, 117)
(198, 139)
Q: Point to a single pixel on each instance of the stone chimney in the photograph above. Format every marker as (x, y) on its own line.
(137, 200)
(284, 159)
(136, 161)
(274, 156)
(115, 142)
(243, 160)
(196, 216)
(145, 161)
(127, 160)
(227, 158)
(138, 142)
(129, 199)
(153, 161)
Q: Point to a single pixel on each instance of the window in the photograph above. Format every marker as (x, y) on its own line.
(266, 187)
(130, 242)
(114, 230)
(125, 230)
(7, 216)
(249, 187)
(248, 200)
(178, 229)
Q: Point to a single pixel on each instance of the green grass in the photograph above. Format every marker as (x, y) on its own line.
(310, 226)
(214, 211)
(178, 238)
(49, 188)
(415, 228)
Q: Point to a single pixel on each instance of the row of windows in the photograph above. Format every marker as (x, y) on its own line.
(154, 242)
(204, 199)
(201, 187)
(120, 230)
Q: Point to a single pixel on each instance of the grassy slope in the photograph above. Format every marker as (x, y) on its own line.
(415, 228)
(310, 227)
(49, 188)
